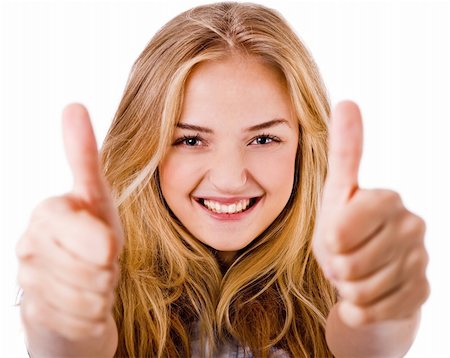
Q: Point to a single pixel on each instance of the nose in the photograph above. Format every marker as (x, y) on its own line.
(228, 172)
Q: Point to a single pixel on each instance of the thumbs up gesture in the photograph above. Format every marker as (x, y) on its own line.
(367, 243)
(68, 267)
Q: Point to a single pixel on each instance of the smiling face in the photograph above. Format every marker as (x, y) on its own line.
(230, 170)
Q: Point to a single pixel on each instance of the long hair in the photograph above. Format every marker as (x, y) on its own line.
(274, 294)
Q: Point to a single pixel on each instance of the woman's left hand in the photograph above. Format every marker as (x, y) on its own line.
(368, 244)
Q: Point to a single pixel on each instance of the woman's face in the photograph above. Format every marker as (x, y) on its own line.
(230, 170)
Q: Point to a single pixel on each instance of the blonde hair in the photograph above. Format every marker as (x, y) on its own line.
(274, 293)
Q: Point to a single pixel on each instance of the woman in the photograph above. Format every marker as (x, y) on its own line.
(208, 192)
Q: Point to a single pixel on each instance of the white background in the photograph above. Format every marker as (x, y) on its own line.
(391, 57)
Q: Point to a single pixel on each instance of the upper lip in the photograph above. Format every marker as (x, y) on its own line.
(229, 200)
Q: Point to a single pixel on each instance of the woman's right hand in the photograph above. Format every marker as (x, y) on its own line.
(68, 256)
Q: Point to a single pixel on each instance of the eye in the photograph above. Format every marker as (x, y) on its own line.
(265, 139)
(189, 141)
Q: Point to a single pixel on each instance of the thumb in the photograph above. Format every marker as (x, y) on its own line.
(345, 151)
(90, 185)
(82, 154)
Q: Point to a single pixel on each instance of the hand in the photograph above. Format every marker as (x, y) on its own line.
(68, 267)
(367, 243)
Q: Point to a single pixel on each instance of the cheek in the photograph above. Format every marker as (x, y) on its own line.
(275, 172)
(178, 175)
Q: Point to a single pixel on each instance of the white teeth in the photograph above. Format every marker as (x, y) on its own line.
(227, 209)
(239, 206)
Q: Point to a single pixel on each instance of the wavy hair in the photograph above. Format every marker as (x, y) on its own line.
(274, 294)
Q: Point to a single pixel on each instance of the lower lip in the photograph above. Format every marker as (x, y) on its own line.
(230, 217)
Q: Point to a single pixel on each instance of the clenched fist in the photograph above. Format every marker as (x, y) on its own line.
(68, 267)
(368, 244)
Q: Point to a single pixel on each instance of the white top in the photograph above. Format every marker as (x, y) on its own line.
(231, 350)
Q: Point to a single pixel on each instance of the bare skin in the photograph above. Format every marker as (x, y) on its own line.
(368, 243)
(68, 265)
(372, 248)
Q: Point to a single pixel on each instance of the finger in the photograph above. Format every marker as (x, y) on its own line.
(75, 302)
(400, 304)
(379, 251)
(386, 280)
(345, 151)
(72, 271)
(368, 290)
(357, 222)
(82, 153)
(24, 249)
(72, 328)
(74, 228)
(83, 235)
(86, 237)
(89, 182)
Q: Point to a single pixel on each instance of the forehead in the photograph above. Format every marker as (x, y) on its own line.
(253, 67)
(235, 87)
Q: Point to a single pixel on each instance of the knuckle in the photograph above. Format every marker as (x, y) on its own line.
(420, 224)
(359, 316)
(37, 227)
(104, 281)
(389, 198)
(426, 259)
(365, 316)
(414, 265)
(25, 278)
(422, 260)
(414, 257)
(24, 246)
(418, 260)
(419, 292)
(360, 296)
(338, 240)
(72, 334)
(42, 217)
(48, 206)
(75, 331)
(34, 311)
(99, 307)
(346, 268)
(426, 291)
(414, 226)
(354, 293)
(86, 304)
(96, 329)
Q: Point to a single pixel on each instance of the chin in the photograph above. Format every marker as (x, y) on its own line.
(227, 246)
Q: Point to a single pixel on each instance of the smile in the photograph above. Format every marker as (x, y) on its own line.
(230, 210)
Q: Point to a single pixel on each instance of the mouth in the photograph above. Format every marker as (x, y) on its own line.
(231, 209)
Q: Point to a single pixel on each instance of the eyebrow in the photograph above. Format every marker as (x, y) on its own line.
(257, 127)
